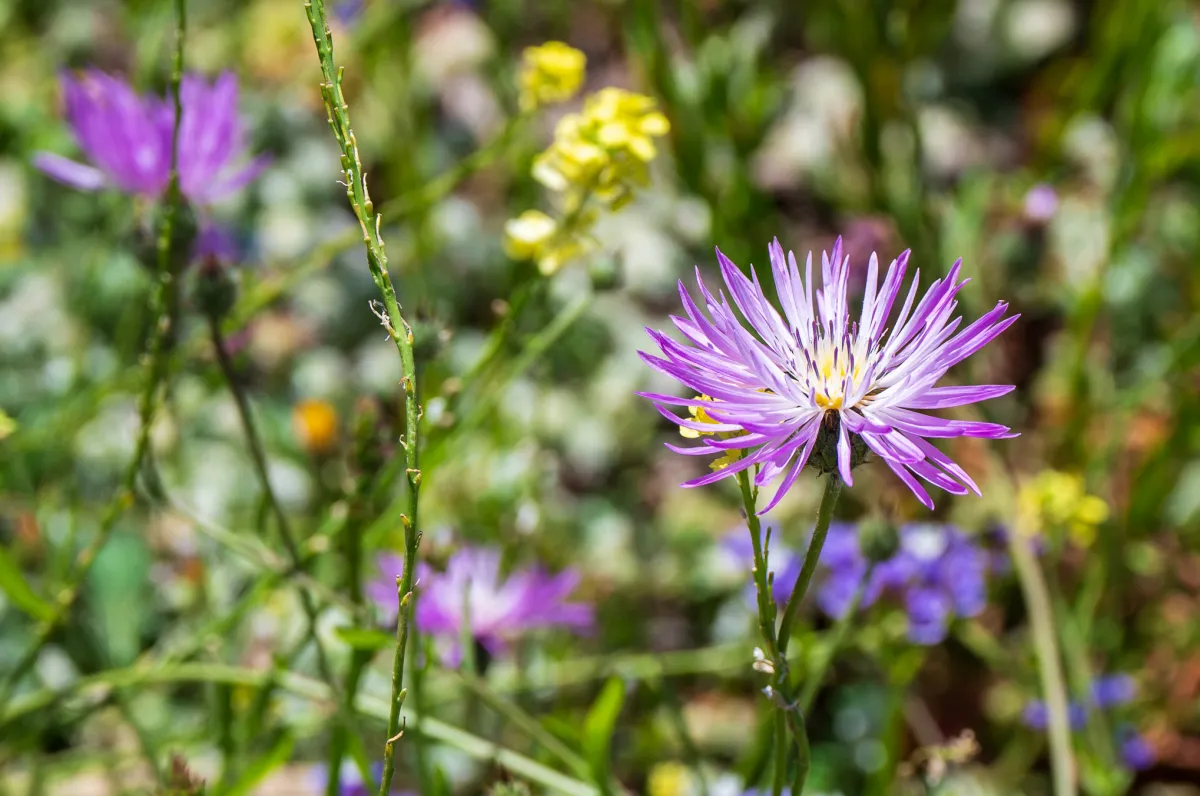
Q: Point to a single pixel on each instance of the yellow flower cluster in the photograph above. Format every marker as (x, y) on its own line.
(597, 159)
(699, 414)
(604, 151)
(550, 73)
(7, 424)
(1058, 502)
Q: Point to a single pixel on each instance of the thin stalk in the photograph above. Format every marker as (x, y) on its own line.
(762, 588)
(791, 715)
(1041, 621)
(259, 457)
(370, 222)
(163, 298)
(829, 499)
(766, 623)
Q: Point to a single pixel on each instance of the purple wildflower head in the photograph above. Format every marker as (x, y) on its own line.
(938, 572)
(1036, 716)
(776, 388)
(1041, 203)
(1136, 752)
(498, 608)
(127, 138)
(1113, 690)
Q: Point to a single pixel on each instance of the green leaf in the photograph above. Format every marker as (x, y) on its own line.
(599, 725)
(118, 596)
(365, 638)
(280, 753)
(14, 584)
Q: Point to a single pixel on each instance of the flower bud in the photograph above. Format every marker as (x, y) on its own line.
(183, 233)
(825, 456)
(214, 288)
(878, 539)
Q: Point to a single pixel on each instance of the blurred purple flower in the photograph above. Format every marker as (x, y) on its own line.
(770, 385)
(1036, 716)
(127, 138)
(1113, 690)
(217, 242)
(781, 560)
(1041, 203)
(939, 572)
(1136, 751)
(498, 608)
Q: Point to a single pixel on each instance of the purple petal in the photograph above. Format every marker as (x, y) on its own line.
(69, 172)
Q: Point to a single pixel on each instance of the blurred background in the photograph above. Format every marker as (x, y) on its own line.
(1052, 145)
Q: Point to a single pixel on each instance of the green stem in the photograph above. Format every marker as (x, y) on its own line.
(762, 588)
(259, 457)
(829, 499)
(370, 223)
(1041, 621)
(163, 298)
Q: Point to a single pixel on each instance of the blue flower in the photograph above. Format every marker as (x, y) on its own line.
(1113, 690)
(1036, 716)
(938, 574)
(1136, 751)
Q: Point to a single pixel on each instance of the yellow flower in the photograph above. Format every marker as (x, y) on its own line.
(526, 235)
(315, 424)
(7, 424)
(595, 162)
(1057, 502)
(605, 149)
(550, 73)
(699, 414)
(670, 779)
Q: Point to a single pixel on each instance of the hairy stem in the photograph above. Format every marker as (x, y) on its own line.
(370, 224)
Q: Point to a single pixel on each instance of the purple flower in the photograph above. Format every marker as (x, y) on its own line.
(216, 242)
(498, 608)
(781, 560)
(939, 572)
(1136, 751)
(1041, 203)
(1036, 716)
(768, 388)
(127, 138)
(1113, 690)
